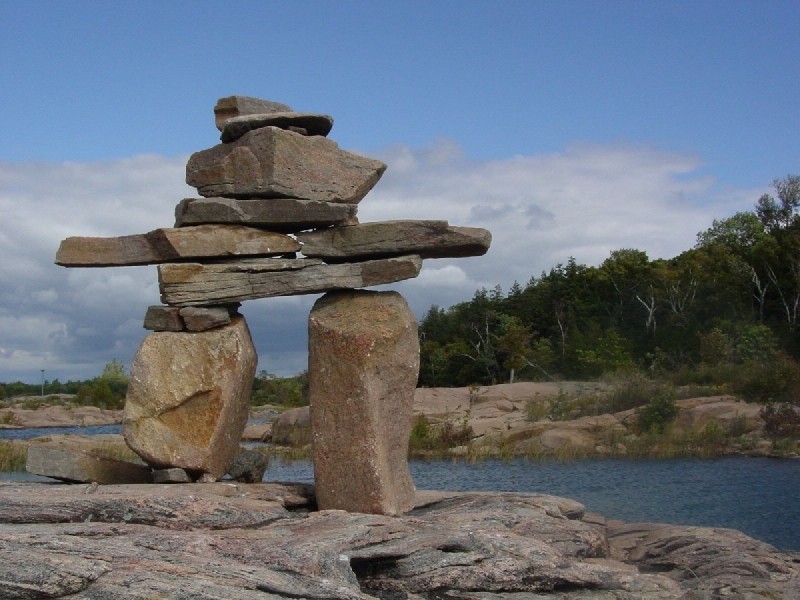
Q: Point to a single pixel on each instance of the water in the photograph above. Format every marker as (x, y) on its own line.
(754, 495)
(34, 432)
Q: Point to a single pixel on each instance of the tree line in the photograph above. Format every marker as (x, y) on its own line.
(725, 311)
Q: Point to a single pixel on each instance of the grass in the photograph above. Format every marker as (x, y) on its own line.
(13, 455)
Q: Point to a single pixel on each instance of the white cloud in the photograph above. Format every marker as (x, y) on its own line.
(582, 202)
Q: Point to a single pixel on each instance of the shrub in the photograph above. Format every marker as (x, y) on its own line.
(425, 436)
(631, 389)
(781, 420)
(536, 409)
(657, 414)
(765, 381)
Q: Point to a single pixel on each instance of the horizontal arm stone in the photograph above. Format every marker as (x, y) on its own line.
(429, 239)
(169, 244)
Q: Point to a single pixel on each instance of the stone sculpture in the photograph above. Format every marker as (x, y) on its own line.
(275, 174)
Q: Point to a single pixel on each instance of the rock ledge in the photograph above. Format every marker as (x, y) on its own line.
(266, 541)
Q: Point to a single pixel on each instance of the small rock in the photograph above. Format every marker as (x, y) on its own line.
(173, 475)
(249, 466)
(163, 318)
(202, 318)
(292, 427)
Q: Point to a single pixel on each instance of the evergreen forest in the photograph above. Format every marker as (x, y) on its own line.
(724, 313)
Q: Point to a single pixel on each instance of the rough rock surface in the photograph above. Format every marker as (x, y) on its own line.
(77, 461)
(275, 163)
(188, 284)
(202, 318)
(248, 466)
(260, 542)
(170, 244)
(163, 318)
(362, 368)
(234, 106)
(188, 397)
(279, 214)
(292, 427)
(429, 239)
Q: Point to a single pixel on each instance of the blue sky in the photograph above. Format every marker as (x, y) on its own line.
(567, 128)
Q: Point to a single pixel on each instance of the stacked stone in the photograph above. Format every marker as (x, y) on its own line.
(276, 186)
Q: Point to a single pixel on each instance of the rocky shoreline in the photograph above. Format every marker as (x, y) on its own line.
(500, 422)
(260, 541)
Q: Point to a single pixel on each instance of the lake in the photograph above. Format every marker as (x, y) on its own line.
(755, 495)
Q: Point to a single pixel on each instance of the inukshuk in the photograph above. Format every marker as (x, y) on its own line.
(276, 187)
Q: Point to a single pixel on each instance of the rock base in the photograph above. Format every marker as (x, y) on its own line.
(264, 541)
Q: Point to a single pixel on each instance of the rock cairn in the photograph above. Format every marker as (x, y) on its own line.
(277, 186)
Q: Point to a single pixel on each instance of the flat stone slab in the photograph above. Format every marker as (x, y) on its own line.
(163, 318)
(234, 106)
(169, 244)
(429, 239)
(312, 123)
(275, 163)
(276, 214)
(188, 284)
(82, 462)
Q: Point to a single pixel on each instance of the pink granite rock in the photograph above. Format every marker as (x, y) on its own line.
(188, 398)
(363, 367)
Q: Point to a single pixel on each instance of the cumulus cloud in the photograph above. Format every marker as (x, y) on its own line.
(583, 202)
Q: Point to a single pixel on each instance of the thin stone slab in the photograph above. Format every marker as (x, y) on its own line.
(311, 123)
(429, 239)
(169, 244)
(276, 214)
(363, 365)
(234, 106)
(173, 475)
(81, 463)
(189, 396)
(275, 163)
(163, 318)
(188, 284)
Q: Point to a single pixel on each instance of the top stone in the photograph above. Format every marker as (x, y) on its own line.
(307, 123)
(235, 106)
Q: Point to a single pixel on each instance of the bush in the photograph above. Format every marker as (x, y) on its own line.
(766, 381)
(657, 414)
(781, 420)
(631, 389)
(425, 436)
